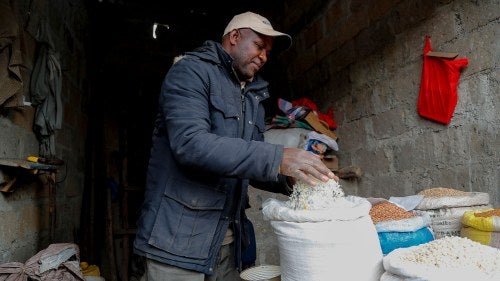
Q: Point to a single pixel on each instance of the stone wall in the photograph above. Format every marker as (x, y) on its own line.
(24, 213)
(364, 59)
(361, 57)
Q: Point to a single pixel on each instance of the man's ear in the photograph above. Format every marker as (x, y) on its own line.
(234, 36)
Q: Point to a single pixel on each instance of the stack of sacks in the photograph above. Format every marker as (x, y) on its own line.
(446, 206)
(399, 228)
(447, 258)
(482, 227)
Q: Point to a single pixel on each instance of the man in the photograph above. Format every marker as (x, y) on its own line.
(207, 147)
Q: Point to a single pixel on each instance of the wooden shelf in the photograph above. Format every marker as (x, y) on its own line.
(12, 162)
(11, 170)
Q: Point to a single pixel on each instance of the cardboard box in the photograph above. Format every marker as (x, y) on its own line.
(319, 126)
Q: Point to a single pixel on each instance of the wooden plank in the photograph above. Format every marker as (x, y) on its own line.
(6, 187)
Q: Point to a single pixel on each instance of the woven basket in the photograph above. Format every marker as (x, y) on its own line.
(261, 273)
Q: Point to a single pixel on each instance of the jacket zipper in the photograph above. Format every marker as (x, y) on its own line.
(243, 109)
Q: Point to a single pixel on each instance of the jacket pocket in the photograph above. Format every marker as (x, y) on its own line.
(225, 116)
(226, 106)
(187, 219)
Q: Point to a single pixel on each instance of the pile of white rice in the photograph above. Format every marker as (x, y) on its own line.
(322, 196)
(455, 252)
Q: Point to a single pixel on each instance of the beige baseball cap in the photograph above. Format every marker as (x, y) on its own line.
(260, 25)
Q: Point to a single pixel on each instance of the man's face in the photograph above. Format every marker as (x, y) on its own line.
(250, 52)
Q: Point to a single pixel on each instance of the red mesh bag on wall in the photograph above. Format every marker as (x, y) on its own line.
(438, 88)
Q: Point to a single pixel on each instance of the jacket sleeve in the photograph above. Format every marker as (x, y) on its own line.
(185, 105)
(281, 186)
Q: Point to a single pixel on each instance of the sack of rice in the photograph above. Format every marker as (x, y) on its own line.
(324, 235)
(482, 226)
(386, 276)
(447, 258)
(446, 206)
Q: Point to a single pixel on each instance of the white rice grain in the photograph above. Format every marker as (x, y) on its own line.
(453, 252)
(322, 196)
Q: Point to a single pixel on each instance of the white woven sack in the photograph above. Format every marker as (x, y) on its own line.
(471, 199)
(404, 225)
(289, 137)
(345, 248)
(348, 208)
(393, 277)
(446, 227)
(447, 221)
(456, 212)
(395, 265)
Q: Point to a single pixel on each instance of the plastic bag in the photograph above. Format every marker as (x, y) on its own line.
(485, 230)
(489, 223)
(389, 241)
(438, 88)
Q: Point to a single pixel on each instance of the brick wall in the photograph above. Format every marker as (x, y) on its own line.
(364, 58)
(24, 213)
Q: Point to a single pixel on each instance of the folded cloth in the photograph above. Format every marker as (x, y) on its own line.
(324, 117)
(305, 109)
(285, 122)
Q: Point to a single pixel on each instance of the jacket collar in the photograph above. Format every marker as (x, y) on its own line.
(213, 52)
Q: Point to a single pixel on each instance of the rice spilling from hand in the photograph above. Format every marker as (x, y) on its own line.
(325, 195)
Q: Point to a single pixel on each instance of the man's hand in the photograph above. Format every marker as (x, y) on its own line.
(305, 166)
